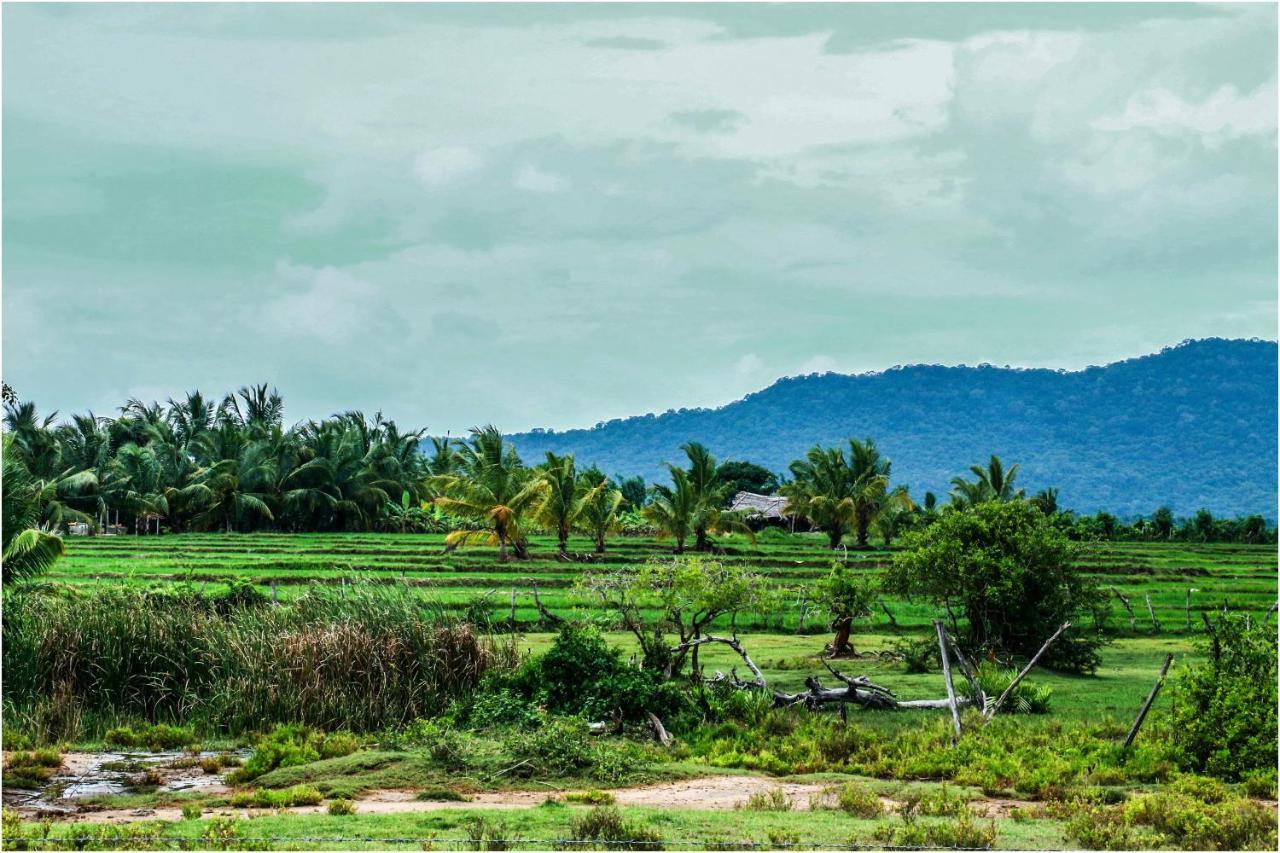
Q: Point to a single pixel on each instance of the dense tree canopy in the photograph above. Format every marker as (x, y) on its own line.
(1005, 577)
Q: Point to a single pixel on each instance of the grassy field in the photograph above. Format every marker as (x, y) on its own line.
(1095, 709)
(1243, 577)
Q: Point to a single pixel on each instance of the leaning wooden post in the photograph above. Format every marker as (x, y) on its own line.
(946, 676)
(1124, 599)
(1155, 623)
(1146, 706)
(889, 613)
(1008, 691)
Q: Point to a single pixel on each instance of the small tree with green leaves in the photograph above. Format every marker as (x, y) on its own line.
(1004, 576)
(847, 597)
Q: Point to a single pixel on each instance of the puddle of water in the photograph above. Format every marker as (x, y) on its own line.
(107, 773)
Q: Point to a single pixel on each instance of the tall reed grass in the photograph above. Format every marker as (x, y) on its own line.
(363, 658)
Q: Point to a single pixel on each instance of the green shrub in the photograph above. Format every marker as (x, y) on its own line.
(919, 655)
(285, 746)
(782, 839)
(31, 770)
(266, 798)
(561, 747)
(341, 807)
(489, 834)
(445, 744)
(1009, 573)
(1224, 710)
(581, 674)
(1261, 784)
(338, 744)
(495, 705)
(603, 828)
(858, 801)
(157, 738)
(191, 811)
(772, 800)
(1177, 818)
(963, 832)
(1027, 698)
(592, 797)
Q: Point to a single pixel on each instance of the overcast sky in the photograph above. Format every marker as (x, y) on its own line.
(551, 216)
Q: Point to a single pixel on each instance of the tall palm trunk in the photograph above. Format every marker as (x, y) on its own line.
(563, 535)
(600, 543)
(500, 530)
(834, 536)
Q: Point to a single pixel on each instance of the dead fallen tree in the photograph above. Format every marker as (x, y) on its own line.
(862, 691)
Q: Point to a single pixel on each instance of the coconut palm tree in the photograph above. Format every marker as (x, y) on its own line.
(563, 497)
(693, 505)
(28, 549)
(600, 505)
(491, 485)
(836, 493)
(671, 508)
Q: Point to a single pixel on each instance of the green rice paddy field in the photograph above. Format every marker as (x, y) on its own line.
(1241, 577)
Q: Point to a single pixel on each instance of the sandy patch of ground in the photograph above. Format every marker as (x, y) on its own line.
(712, 793)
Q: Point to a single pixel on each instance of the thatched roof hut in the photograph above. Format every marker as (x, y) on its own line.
(768, 507)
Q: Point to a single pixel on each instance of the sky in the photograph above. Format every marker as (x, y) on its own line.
(550, 216)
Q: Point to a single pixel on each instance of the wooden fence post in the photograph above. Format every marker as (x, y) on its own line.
(1146, 706)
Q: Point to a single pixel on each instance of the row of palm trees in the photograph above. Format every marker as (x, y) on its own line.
(234, 466)
(230, 466)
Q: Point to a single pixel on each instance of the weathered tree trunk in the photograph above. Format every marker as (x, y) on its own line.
(600, 543)
(563, 536)
(840, 646)
(834, 536)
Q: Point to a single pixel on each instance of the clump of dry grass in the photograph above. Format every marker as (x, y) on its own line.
(368, 659)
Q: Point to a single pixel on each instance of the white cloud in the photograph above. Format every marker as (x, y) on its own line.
(441, 166)
(333, 304)
(1225, 114)
(534, 180)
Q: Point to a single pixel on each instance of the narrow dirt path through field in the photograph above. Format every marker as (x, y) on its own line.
(707, 793)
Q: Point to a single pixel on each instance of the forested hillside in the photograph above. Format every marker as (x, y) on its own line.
(1191, 426)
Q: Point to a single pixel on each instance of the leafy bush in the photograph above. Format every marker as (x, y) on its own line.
(772, 800)
(489, 834)
(338, 744)
(1027, 698)
(157, 738)
(1224, 710)
(582, 674)
(592, 797)
(1193, 814)
(191, 811)
(561, 747)
(266, 798)
(285, 746)
(1009, 572)
(341, 807)
(858, 801)
(963, 832)
(603, 828)
(920, 655)
(445, 744)
(31, 769)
